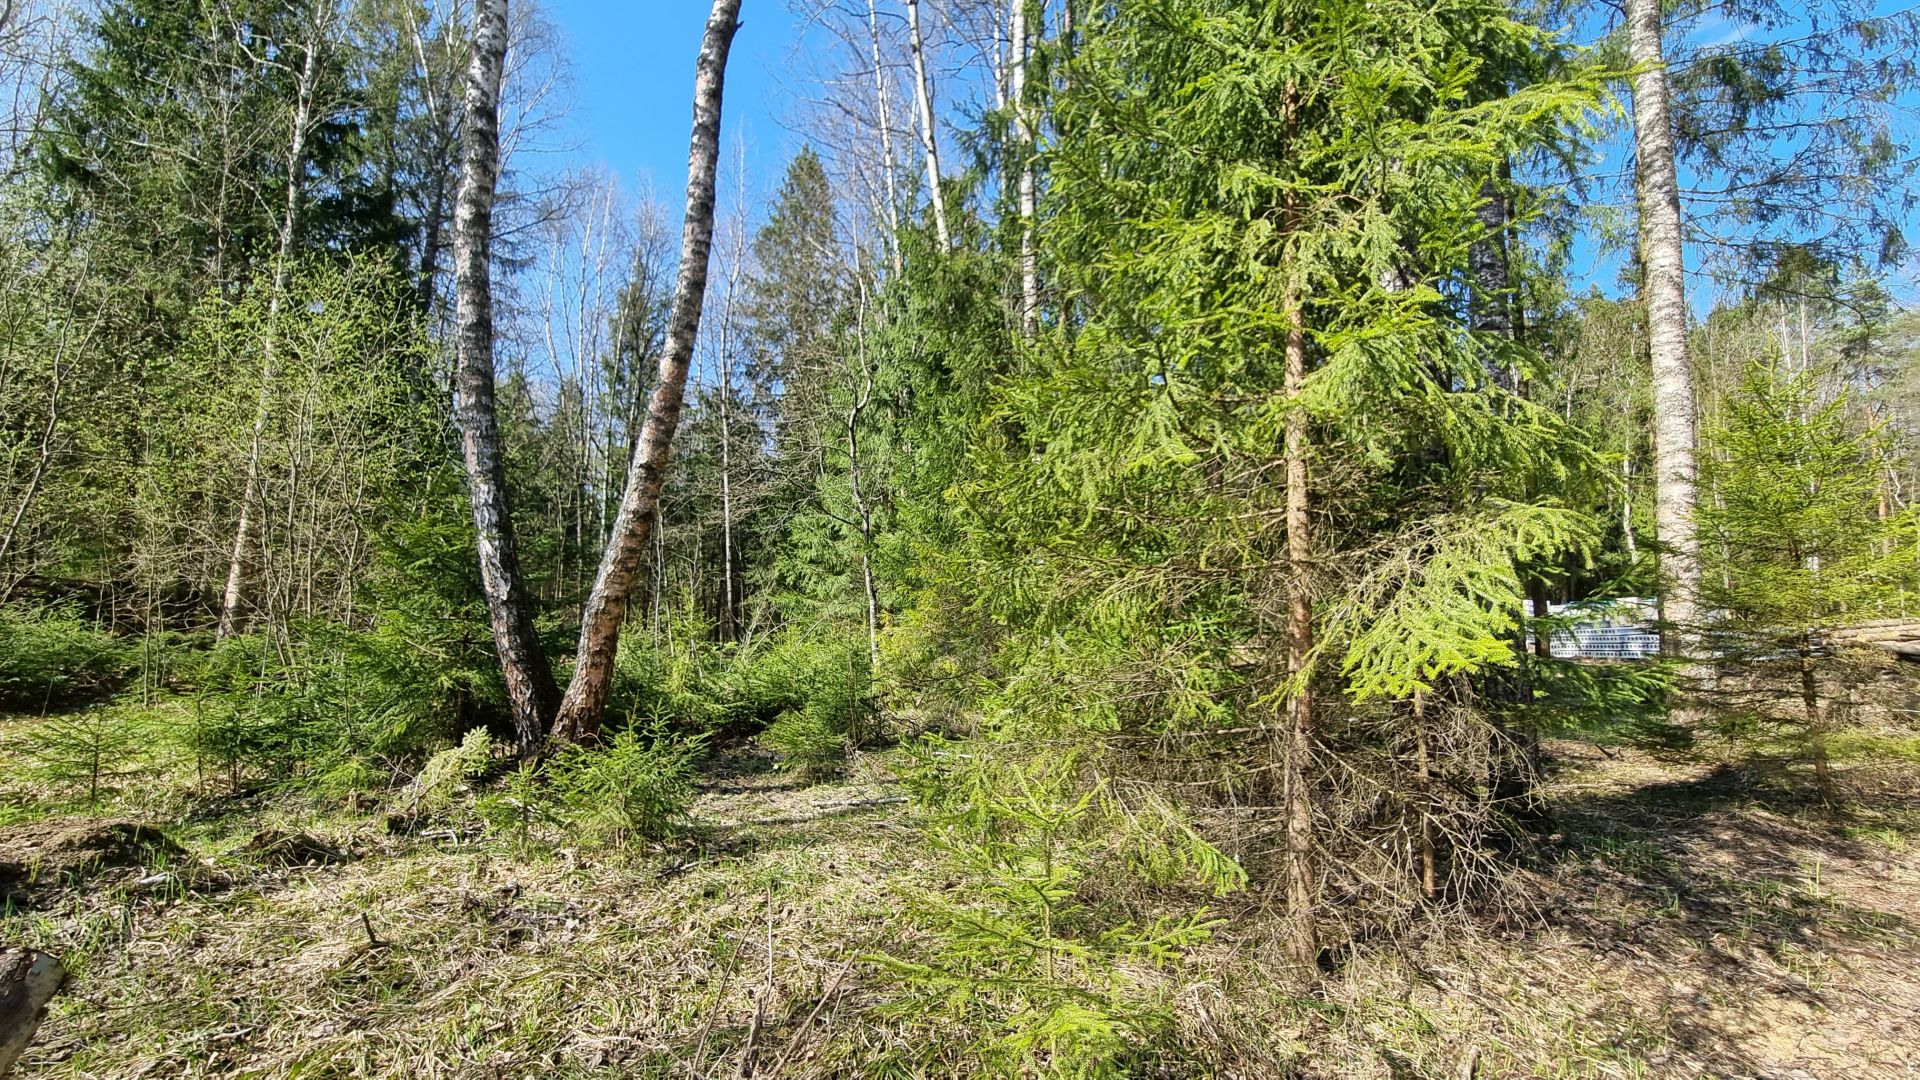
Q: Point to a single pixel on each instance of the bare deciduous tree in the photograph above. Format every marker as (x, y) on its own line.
(302, 120)
(929, 134)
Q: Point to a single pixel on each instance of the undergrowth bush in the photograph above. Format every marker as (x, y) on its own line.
(821, 688)
(809, 693)
(52, 658)
(336, 709)
(1044, 977)
(86, 753)
(448, 772)
(637, 786)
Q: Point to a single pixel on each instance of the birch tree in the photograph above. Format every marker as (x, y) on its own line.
(1024, 149)
(301, 122)
(584, 706)
(929, 135)
(530, 687)
(1664, 286)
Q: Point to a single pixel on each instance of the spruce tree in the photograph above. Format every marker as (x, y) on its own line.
(1795, 524)
(1260, 472)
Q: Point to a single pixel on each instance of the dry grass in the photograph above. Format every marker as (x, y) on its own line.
(1690, 925)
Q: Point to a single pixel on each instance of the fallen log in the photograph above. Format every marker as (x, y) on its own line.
(28, 980)
(1905, 650)
(1877, 631)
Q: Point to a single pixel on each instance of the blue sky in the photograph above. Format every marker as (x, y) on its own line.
(632, 67)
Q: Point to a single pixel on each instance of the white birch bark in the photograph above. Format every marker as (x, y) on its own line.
(269, 362)
(1024, 129)
(887, 163)
(530, 689)
(584, 706)
(1664, 289)
(929, 139)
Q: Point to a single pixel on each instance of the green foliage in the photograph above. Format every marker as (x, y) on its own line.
(242, 734)
(1125, 501)
(637, 786)
(52, 658)
(335, 708)
(87, 752)
(1046, 980)
(821, 688)
(808, 692)
(167, 136)
(1792, 525)
(1445, 598)
(680, 676)
(448, 771)
(1614, 702)
(516, 802)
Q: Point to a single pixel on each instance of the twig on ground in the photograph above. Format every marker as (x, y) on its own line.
(807, 1025)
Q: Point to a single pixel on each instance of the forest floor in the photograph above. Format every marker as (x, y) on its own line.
(1690, 924)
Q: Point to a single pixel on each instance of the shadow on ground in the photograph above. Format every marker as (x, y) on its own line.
(1760, 933)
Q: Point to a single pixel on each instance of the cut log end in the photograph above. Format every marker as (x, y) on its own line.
(28, 980)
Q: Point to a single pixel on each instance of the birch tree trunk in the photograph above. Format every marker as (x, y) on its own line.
(923, 100)
(887, 163)
(530, 688)
(860, 504)
(584, 706)
(269, 362)
(1664, 288)
(1024, 128)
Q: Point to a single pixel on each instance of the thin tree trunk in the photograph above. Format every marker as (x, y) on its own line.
(428, 280)
(43, 460)
(1816, 726)
(1302, 883)
(727, 628)
(1023, 126)
(887, 162)
(269, 366)
(929, 141)
(861, 505)
(1626, 510)
(530, 688)
(584, 706)
(1492, 277)
(1664, 273)
(1429, 851)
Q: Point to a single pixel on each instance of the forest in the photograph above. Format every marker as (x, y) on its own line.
(1164, 538)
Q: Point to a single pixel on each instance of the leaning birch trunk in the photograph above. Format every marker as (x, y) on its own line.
(929, 142)
(530, 689)
(861, 505)
(1023, 126)
(1664, 275)
(269, 361)
(585, 703)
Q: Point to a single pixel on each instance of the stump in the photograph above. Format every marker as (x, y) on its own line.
(27, 982)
